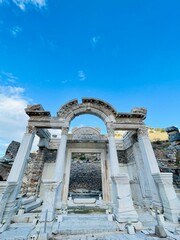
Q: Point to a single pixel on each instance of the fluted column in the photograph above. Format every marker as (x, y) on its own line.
(150, 162)
(14, 180)
(121, 194)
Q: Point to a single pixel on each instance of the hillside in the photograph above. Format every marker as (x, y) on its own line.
(157, 134)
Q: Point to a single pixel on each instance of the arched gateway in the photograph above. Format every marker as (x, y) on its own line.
(129, 171)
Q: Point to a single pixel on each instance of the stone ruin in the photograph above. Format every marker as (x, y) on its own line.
(7, 160)
(127, 168)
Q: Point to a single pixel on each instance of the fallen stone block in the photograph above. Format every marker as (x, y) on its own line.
(33, 205)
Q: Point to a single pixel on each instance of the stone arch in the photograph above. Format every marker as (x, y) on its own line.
(92, 106)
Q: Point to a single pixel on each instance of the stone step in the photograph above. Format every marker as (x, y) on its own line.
(107, 236)
(86, 224)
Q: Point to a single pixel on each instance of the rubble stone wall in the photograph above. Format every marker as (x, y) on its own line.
(85, 176)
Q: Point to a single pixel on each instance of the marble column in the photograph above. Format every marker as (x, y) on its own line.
(121, 194)
(14, 180)
(142, 174)
(150, 163)
(60, 166)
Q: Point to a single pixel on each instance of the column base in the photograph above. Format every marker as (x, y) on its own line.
(48, 208)
(124, 216)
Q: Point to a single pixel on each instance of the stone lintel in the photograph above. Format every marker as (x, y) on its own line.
(127, 126)
(47, 124)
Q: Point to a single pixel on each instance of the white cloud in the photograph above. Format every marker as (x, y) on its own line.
(95, 40)
(15, 30)
(22, 3)
(81, 75)
(13, 119)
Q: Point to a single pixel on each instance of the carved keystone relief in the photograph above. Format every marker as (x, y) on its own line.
(86, 133)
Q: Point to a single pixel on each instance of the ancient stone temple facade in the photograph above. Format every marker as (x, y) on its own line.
(122, 173)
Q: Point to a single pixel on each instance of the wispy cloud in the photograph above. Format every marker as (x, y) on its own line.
(22, 4)
(13, 119)
(15, 30)
(95, 40)
(65, 81)
(81, 75)
(8, 77)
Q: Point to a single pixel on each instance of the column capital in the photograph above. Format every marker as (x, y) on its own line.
(64, 131)
(31, 129)
(143, 131)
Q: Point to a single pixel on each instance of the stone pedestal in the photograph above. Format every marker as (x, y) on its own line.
(123, 208)
(48, 208)
(170, 201)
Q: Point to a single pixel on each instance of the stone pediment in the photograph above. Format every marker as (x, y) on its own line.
(86, 133)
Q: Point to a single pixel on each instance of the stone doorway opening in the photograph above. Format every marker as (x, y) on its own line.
(85, 175)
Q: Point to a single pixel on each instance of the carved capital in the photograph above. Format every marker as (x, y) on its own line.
(142, 131)
(65, 131)
(31, 129)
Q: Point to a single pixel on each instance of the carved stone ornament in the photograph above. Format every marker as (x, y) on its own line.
(31, 129)
(143, 131)
(65, 131)
(86, 133)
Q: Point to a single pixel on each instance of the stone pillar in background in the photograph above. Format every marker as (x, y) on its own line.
(150, 162)
(121, 194)
(15, 179)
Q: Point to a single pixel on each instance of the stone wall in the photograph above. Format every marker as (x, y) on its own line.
(32, 177)
(85, 176)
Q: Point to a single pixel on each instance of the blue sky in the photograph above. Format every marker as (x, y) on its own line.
(124, 52)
